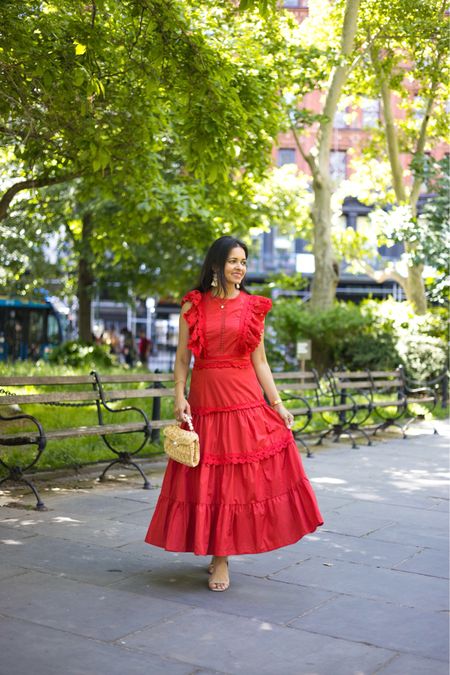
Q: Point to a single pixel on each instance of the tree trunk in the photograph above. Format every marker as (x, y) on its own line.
(416, 289)
(85, 280)
(325, 277)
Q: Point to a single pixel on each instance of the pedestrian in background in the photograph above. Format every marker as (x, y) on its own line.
(128, 347)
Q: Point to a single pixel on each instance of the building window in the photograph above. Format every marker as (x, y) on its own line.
(340, 121)
(285, 156)
(370, 112)
(295, 3)
(338, 164)
(419, 106)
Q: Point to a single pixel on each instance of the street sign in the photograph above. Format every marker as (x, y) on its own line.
(304, 350)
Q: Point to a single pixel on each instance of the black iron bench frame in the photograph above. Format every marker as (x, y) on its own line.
(368, 384)
(309, 382)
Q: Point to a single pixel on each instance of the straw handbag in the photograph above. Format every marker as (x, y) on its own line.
(182, 445)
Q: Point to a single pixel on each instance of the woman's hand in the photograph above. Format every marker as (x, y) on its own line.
(286, 416)
(182, 408)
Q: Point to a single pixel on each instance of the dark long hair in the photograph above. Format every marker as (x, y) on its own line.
(215, 260)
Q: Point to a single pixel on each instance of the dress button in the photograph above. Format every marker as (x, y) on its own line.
(222, 306)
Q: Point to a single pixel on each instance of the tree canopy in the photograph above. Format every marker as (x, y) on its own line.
(145, 122)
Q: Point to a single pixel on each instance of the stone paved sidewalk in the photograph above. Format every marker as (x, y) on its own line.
(80, 593)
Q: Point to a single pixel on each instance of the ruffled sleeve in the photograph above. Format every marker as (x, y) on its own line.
(194, 319)
(253, 327)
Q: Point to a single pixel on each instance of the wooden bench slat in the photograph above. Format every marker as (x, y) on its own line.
(384, 373)
(74, 432)
(50, 397)
(141, 377)
(387, 404)
(61, 396)
(297, 386)
(425, 399)
(319, 409)
(353, 385)
(387, 383)
(298, 411)
(96, 430)
(124, 394)
(368, 385)
(10, 381)
(42, 380)
(294, 374)
(355, 374)
(350, 374)
(332, 408)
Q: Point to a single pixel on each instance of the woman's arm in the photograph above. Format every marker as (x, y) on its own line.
(265, 378)
(181, 370)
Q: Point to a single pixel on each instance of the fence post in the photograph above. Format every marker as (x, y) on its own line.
(156, 410)
(444, 391)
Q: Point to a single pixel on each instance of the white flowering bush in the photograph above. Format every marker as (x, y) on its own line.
(423, 356)
(420, 340)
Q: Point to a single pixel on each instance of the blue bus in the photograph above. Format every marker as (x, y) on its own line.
(29, 329)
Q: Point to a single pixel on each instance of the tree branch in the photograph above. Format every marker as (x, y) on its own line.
(420, 145)
(309, 159)
(390, 129)
(388, 274)
(337, 81)
(28, 184)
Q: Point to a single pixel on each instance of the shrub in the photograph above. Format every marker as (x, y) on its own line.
(423, 356)
(374, 335)
(347, 334)
(78, 354)
(420, 339)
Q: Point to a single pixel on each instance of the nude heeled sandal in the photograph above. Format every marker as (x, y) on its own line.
(212, 584)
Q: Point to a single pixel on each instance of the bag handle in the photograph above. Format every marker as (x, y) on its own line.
(188, 420)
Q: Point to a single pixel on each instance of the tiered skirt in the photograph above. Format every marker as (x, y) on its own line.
(250, 493)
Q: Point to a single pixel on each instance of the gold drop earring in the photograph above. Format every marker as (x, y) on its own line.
(214, 280)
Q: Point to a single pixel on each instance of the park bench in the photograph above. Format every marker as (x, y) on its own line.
(101, 392)
(316, 399)
(387, 393)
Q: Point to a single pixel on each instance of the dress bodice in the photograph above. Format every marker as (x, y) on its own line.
(222, 328)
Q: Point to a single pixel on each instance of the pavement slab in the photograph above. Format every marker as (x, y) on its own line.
(380, 623)
(247, 596)
(76, 560)
(401, 534)
(82, 609)
(402, 588)
(93, 505)
(407, 664)
(81, 527)
(428, 561)
(335, 546)
(249, 646)
(48, 651)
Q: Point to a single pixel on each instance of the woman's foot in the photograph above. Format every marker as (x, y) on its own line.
(211, 565)
(219, 580)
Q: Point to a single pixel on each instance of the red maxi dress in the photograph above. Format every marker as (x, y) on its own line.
(249, 493)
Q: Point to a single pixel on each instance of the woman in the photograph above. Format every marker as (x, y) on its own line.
(249, 493)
